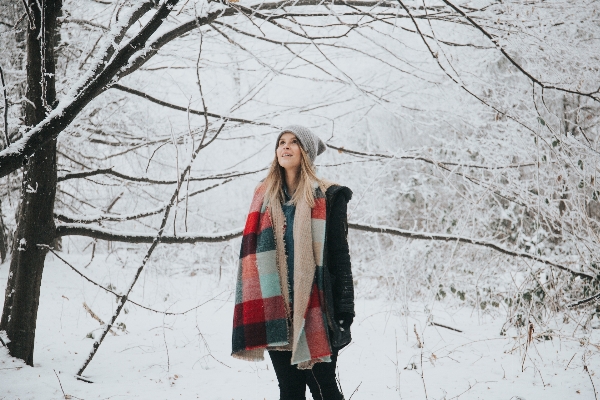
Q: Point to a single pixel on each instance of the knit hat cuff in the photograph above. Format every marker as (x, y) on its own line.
(311, 143)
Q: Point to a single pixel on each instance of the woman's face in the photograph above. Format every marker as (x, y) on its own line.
(288, 151)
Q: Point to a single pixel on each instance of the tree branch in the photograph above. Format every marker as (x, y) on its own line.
(427, 160)
(28, 11)
(118, 296)
(167, 37)
(85, 22)
(184, 109)
(585, 301)
(133, 237)
(186, 27)
(155, 242)
(110, 171)
(121, 64)
(477, 242)
(512, 60)
(71, 105)
(138, 13)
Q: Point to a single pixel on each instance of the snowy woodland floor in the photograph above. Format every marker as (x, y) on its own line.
(188, 356)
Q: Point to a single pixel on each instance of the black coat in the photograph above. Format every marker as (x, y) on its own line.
(338, 283)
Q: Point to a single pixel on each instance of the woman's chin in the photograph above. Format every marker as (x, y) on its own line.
(289, 164)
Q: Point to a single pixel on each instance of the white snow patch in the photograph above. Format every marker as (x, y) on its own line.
(22, 244)
(383, 358)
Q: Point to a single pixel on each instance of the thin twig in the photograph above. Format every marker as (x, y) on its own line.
(185, 109)
(355, 390)
(342, 149)
(97, 318)
(585, 367)
(208, 347)
(398, 381)
(61, 388)
(445, 326)
(86, 380)
(419, 344)
(166, 347)
(118, 295)
(422, 372)
(65, 396)
(569, 363)
(469, 388)
(128, 217)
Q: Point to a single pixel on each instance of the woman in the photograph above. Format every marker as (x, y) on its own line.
(295, 295)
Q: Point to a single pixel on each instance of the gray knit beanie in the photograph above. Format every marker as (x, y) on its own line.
(310, 142)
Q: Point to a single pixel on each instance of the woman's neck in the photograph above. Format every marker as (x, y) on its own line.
(292, 180)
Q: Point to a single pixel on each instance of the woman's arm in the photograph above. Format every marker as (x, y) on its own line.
(339, 264)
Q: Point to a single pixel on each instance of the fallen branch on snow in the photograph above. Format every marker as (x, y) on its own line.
(445, 326)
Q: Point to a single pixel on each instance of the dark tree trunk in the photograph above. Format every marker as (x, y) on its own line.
(35, 224)
(3, 238)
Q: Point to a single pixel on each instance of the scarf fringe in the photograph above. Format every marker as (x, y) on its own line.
(250, 355)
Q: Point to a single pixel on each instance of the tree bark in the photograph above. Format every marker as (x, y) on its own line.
(3, 238)
(35, 223)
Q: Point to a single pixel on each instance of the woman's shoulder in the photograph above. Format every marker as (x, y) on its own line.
(333, 190)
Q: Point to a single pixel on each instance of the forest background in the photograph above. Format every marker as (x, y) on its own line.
(135, 131)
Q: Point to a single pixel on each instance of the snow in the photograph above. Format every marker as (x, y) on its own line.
(22, 244)
(154, 356)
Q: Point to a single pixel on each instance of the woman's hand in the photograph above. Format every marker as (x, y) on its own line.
(344, 320)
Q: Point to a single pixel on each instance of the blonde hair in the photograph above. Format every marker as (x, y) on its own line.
(306, 185)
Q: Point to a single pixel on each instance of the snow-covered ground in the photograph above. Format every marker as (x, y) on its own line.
(188, 356)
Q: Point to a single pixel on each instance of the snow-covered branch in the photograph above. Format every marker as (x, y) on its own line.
(134, 237)
(595, 95)
(15, 155)
(110, 171)
(461, 239)
(428, 160)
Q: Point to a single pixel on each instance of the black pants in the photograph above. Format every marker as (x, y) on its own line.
(292, 381)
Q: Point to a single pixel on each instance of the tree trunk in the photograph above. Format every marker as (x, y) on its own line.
(35, 223)
(3, 238)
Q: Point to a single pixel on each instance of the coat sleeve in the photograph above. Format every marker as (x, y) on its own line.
(339, 266)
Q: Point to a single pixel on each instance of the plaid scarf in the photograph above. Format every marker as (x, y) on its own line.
(262, 317)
